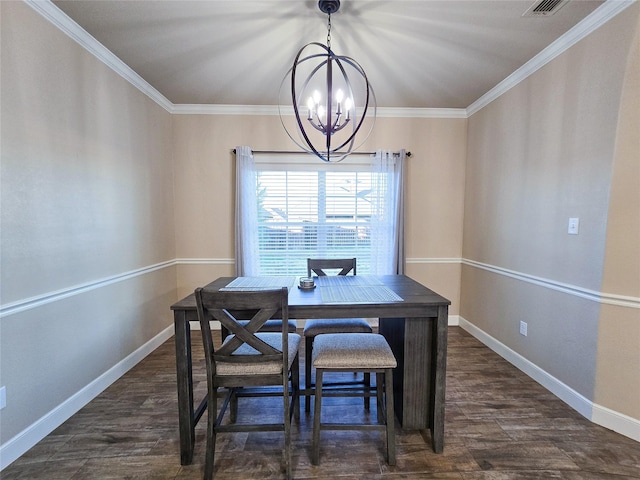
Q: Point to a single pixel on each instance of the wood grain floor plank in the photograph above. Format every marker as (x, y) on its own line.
(499, 425)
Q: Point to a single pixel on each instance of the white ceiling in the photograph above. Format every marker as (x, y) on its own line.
(416, 53)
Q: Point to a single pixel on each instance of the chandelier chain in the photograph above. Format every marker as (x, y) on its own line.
(329, 30)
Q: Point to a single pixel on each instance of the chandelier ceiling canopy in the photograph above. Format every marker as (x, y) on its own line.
(331, 98)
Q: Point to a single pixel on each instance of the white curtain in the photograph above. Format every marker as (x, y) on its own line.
(387, 219)
(387, 213)
(246, 218)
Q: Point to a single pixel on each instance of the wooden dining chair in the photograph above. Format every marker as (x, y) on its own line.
(313, 327)
(248, 360)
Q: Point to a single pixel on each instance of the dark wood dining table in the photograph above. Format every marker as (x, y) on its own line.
(412, 318)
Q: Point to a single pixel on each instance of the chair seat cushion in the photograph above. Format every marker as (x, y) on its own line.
(352, 350)
(273, 325)
(336, 325)
(259, 368)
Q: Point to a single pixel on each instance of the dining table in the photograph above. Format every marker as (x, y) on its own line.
(411, 317)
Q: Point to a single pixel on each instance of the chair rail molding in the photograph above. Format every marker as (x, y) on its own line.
(593, 295)
(205, 261)
(49, 297)
(434, 260)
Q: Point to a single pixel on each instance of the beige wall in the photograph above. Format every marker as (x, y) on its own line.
(205, 189)
(619, 327)
(541, 153)
(87, 196)
(98, 181)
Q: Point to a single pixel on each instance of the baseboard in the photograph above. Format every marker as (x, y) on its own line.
(602, 416)
(22, 442)
(555, 386)
(618, 422)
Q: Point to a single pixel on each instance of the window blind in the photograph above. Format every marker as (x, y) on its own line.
(306, 210)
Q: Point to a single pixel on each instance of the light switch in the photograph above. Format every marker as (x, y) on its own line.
(574, 226)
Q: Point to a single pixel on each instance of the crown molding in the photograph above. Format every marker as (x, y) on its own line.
(57, 17)
(287, 110)
(592, 22)
(211, 109)
(405, 112)
(596, 19)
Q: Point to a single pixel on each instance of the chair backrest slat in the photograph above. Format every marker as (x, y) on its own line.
(244, 334)
(319, 266)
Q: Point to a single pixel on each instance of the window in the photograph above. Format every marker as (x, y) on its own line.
(299, 207)
(305, 214)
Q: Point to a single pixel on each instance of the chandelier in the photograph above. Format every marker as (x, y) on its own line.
(331, 97)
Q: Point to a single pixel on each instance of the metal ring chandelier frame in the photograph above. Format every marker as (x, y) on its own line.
(334, 121)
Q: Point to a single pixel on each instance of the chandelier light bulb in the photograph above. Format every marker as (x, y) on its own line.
(347, 107)
(311, 106)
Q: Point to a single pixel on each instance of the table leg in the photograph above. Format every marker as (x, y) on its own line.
(420, 347)
(186, 420)
(418, 370)
(440, 372)
(410, 341)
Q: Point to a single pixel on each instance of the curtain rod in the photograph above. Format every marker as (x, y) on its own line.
(290, 152)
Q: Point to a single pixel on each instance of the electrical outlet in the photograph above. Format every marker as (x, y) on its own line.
(3, 397)
(523, 328)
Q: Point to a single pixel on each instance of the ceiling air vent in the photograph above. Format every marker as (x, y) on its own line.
(544, 7)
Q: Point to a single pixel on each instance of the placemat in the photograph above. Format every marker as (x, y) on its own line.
(358, 294)
(347, 280)
(259, 283)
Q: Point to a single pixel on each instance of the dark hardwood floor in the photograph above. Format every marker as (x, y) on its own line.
(500, 425)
